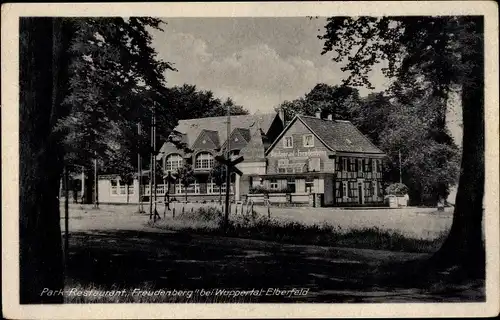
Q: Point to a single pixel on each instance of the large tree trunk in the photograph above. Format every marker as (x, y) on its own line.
(40, 256)
(464, 246)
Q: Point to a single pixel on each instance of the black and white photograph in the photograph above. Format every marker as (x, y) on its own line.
(316, 155)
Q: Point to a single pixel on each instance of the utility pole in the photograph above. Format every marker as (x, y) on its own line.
(400, 170)
(83, 185)
(228, 171)
(151, 166)
(139, 169)
(154, 157)
(96, 196)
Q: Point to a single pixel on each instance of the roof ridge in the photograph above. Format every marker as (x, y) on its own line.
(314, 117)
(365, 137)
(232, 116)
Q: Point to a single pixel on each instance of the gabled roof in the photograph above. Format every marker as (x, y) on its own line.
(211, 135)
(241, 135)
(337, 135)
(254, 150)
(193, 127)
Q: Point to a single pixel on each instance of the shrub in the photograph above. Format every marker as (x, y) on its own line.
(398, 189)
(202, 214)
(259, 227)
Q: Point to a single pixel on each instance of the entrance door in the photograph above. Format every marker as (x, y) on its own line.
(360, 195)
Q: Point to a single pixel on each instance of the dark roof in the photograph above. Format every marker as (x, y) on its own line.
(245, 133)
(214, 136)
(340, 135)
(193, 127)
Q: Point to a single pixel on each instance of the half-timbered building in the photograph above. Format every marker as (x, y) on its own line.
(324, 162)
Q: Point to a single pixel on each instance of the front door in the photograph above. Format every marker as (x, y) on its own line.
(360, 195)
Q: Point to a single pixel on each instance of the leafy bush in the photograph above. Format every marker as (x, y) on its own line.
(251, 225)
(398, 189)
(202, 214)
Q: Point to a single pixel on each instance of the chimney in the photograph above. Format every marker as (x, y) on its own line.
(318, 114)
(281, 114)
(330, 117)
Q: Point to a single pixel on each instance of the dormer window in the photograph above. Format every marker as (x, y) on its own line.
(204, 160)
(173, 162)
(308, 140)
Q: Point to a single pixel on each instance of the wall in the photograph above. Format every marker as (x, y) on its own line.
(297, 131)
(106, 195)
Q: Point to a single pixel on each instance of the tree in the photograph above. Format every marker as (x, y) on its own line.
(371, 115)
(335, 100)
(218, 175)
(41, 163)
(92, 77)
(440, 54)
(185, 176)
(199, 104)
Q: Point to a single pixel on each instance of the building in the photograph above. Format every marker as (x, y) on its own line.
(206, 138)
(324, 162)
(310, 162)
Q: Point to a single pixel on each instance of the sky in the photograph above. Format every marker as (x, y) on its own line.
(258, 62)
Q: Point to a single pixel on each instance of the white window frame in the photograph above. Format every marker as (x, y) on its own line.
(172, 164)
(287, 139)
(273, 184)
(204, 160)
(304, 139)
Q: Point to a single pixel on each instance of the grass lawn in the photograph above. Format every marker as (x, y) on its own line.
(114, 248)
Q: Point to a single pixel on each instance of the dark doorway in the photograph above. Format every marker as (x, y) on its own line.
(360, 194)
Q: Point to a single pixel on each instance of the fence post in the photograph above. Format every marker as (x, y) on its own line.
(268, 209)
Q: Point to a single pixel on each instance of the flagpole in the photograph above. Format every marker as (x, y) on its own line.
(139, 168)
(228, 174)
(151, 171)
(154, 155)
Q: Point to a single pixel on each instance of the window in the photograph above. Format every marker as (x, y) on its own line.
(174, 162)
(338, 189)
(344, 166)
(368, 189)
(114, 186)
(338, 164)
(282, 162)
(273, 184)
(310, 185)
(291, 185)
(374, 165)
(367, 165)
(282, 165)
(353, 189)
(308, 140)
(360, 165)
(380, 191)
(379, 165)
(314, 165)
(288, 142)
(352, 165)
(204, 160)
